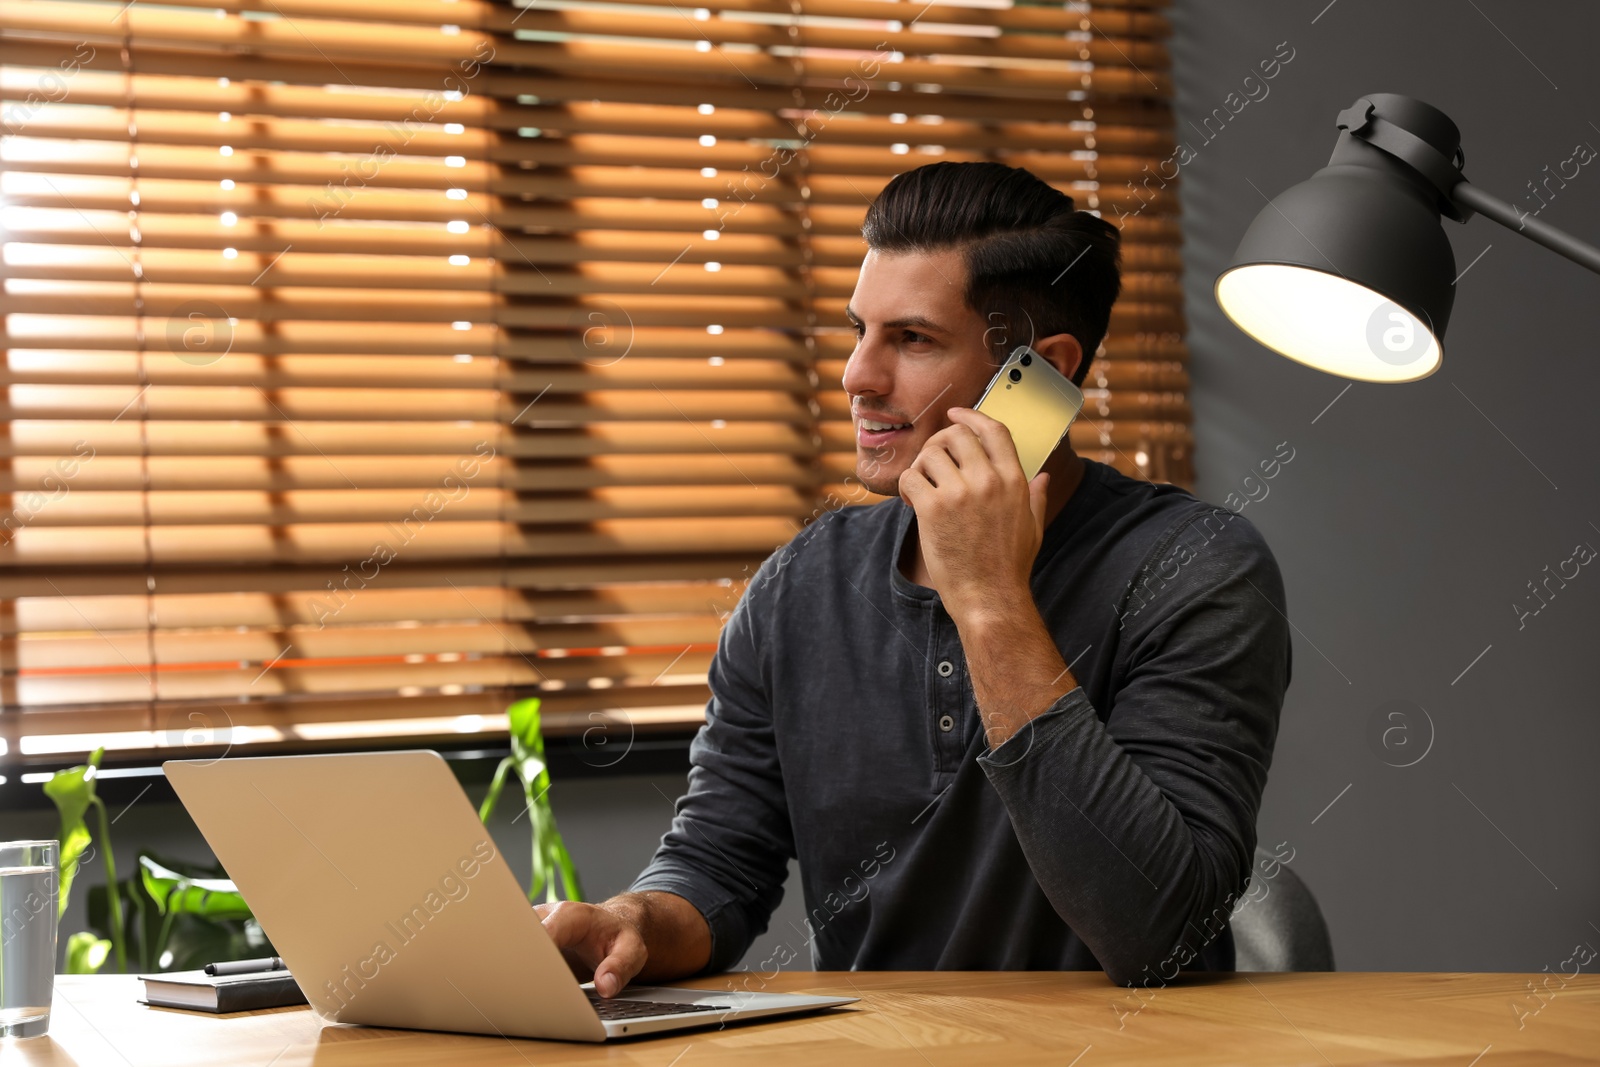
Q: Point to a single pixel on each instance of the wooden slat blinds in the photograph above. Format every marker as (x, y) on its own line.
(370, 364)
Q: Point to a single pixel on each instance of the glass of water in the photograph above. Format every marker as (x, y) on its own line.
(29, 881)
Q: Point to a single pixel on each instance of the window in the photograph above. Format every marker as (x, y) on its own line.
(370, 364)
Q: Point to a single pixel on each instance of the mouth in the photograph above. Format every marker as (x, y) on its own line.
(872, 433)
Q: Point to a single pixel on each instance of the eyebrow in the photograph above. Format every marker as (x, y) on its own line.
(917, 322)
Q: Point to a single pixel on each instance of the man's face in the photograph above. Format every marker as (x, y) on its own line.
(919, 350)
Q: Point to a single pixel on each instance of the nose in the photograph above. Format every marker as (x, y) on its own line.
(869, 370)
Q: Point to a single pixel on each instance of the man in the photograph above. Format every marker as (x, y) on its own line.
(891, 701)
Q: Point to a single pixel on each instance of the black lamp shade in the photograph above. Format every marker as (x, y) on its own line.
(1349, 272)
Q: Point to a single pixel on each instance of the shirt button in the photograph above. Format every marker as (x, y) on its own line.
(946, 723)
(946, 668)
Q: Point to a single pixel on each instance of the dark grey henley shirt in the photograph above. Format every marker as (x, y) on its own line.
(1113, 832)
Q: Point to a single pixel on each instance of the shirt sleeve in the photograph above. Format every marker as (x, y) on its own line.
(728, 849)
(1141, 829)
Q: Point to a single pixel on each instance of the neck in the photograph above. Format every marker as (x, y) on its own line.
(1066, 469)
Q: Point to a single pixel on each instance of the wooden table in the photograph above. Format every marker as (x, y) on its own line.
(921, 1019)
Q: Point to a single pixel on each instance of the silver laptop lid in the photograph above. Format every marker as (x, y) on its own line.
(359, 867)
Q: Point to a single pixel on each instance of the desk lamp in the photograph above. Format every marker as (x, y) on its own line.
(1350, 271)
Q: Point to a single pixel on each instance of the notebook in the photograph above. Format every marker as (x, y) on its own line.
(199, 991)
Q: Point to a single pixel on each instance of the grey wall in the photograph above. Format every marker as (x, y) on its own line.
(1413, 516)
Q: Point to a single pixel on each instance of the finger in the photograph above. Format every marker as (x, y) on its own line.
(586, 934)
(995, 435)
(966, 448)
(566, 928)
(936, 464)
(625, 959)
(571, 926)
(1039, 499)
(912, 484)
(559, 920)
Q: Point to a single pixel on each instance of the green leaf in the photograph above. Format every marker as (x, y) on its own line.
(550, 859)
(527, 745)
(549, 856)
(540, 875)
(119, 939)
(569, 871)
(72, 791)
(161, 935)
(492, 797)
(73, 842)
(86, 953)
(192, 942)
(185, 892)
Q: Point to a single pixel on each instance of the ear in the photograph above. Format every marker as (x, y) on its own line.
(1062, 350)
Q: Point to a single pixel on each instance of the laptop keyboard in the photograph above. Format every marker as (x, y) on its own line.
(638, 1009)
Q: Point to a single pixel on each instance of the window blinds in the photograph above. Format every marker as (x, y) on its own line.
(368, 365)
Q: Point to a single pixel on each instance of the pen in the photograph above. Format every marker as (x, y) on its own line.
(272, 963)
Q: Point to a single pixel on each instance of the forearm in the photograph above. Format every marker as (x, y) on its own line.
(1017, 672)
(676, 936)
(1136, 832)
(1129, 834)
(1116, 856)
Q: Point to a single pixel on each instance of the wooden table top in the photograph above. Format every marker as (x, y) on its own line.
(921, 1019)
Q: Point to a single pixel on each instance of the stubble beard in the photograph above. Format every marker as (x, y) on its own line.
(873, 470)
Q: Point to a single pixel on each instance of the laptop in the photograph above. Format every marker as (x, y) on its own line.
(388, 901)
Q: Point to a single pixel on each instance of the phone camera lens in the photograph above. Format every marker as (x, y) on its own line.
(1027, 359)
(1016, 375)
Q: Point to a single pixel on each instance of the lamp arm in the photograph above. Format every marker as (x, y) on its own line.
(1467, 195)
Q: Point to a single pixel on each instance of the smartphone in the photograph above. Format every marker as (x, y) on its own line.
(1035, 402)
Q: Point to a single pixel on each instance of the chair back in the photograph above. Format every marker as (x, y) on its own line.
(1278, 926)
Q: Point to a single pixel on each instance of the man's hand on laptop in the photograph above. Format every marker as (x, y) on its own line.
(654, 935)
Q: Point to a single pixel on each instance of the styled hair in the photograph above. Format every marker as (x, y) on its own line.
(1036, 266)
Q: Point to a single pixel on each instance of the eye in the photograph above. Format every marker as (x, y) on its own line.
(914, 338)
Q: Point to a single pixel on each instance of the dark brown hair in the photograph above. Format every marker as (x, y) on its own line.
(1036, 265)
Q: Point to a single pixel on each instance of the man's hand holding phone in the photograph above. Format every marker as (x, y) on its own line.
(980, 522)
(978, 488)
